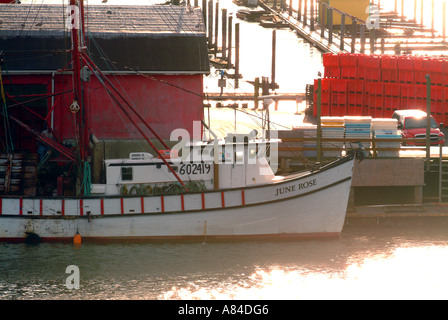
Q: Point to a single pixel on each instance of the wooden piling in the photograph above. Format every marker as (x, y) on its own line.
(432, 18)
(237, 54)
(312, 15)
(299, 11)
(421, 12)
(274, 41)
(322, 20)
(402, 10)
(224, 34)
(305, 12)
(353, 33)
(204, 12)
(256, 92)
(216, 27)
(210, 23)
(330, 26)
(362, 37)
(444, 21)
(229, 46)
(415, 11)
(341, 45)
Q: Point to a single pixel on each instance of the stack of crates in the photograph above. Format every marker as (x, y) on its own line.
(377, 85)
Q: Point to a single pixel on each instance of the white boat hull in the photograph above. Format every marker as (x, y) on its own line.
(302, 206)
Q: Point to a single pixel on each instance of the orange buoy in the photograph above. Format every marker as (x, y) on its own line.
(77, 238)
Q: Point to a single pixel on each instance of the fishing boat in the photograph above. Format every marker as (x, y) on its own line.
(204, 190)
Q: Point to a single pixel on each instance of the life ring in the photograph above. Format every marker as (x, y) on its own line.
(133, 191)
(124, 190)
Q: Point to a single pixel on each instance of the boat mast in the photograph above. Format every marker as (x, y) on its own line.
(78, 105)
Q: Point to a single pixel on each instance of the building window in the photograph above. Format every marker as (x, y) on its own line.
(126, 173)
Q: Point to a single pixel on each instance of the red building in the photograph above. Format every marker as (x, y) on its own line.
(155, 56)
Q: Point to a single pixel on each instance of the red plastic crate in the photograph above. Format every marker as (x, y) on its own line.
(361, 73)
(436, 65)
(332, 72)
(355, 86)
(389, 62)
(375, 88)
(349, 72)
(392, 90)
(437, 78)
(408, 91)
(373, 74)
(361, 59)
(420, 92)
(445, 66)
(391, 103)
(331, 60)
(338, 99)
(373, 61)
(355, 99)
(406, 76)
(389, 75)
(338, 85)
(421, 64)
(420, 76)
(407, 103)
(437, 94)
(405, 63)
(347, 60)
(325, 91)
(324, 110)
(338, 111)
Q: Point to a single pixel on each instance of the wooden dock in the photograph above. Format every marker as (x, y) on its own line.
(395, 34)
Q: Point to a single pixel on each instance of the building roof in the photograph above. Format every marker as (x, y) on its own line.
(41, 19)
(153, 38)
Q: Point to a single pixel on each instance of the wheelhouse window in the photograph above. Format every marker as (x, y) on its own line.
(126, 173)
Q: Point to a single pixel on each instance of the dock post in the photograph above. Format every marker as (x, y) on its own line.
(428, 121)
(354, 24)
(330, 26)
(421, 12)
(444, 21)
(274, 5)
(210, 23)
(204, 12)
(432, 18)
(299, 11)
(256, 92)
(229, 46)
(362, 36)
(274, 42)
(322, 19)
(372, 40)
(415, 11)
(216, 27)
(237, 54)
(312, 15)
(402, 10)
(305, 12)
(224, 34)
(319, 123)
(290, 8)
(341, 45)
